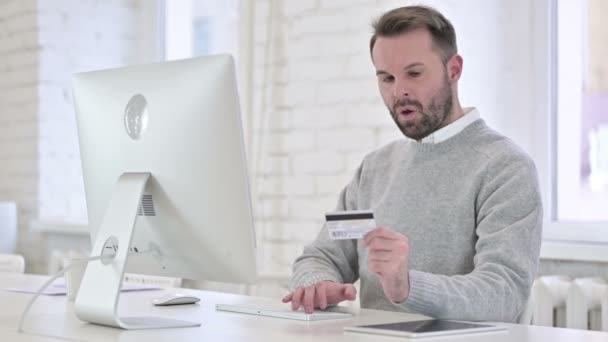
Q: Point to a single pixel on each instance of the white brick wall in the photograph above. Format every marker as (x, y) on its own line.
(18, 112)
(42, 43)
(74, 37)
(325, 113)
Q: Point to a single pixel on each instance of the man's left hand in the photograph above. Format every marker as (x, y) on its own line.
(388, 257)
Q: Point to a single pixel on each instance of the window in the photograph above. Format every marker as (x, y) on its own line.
(201, 27)
(581, 130)
(570, 145)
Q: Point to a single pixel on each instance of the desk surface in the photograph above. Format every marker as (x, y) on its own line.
(52, 319)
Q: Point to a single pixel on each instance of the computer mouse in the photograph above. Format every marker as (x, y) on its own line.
(175, 299)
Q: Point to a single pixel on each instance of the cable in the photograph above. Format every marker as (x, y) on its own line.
(51, 280)
(75, 261)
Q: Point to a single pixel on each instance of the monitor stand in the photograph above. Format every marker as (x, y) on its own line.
(97, 299)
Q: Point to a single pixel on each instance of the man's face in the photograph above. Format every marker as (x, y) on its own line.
(413, 82)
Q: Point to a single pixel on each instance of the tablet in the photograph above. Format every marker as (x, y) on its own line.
(286, 313)
(426, 328)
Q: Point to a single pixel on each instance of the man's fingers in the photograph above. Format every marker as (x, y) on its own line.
(382, 244)
(350, 292)
(381, 232)
(333, 293)
(380, 261)
(321, 295)
(382, 256)
(369, 237)
(399, 247)
(309, 299)
(381, 268)
(287, 298)
(296, 299)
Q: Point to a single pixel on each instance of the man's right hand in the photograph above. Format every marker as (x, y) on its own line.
(320, 295)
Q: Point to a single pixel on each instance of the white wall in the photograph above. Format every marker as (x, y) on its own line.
(76, 36)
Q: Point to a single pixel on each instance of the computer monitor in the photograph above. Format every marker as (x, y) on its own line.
(165, 178)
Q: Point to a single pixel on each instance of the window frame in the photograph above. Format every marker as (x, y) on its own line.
(562, 240)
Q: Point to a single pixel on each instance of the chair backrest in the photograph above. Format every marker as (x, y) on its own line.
(13, 263)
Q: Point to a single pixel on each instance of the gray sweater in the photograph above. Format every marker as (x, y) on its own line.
(471, 208)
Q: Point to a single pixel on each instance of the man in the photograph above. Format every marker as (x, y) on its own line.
(457, 204)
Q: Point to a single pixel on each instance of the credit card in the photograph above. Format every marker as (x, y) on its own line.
(343, 225)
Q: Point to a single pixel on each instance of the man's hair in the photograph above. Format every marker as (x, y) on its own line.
(410, 18)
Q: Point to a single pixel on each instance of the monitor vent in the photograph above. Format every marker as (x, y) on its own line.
(146, 206)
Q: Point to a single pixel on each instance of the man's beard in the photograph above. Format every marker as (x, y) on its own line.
(433, 117)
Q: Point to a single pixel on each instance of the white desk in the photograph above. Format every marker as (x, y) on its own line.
(52, 319)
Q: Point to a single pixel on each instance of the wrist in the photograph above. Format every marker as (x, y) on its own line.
(403, 291)
(396, 291)
(401, 298)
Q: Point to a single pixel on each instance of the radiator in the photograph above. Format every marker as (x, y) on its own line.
(577, 303)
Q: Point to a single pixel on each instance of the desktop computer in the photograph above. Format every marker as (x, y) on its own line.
(165, 179)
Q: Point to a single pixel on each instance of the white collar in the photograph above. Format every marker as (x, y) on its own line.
(470, 115)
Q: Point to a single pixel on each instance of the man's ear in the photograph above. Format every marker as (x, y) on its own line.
(454, 68)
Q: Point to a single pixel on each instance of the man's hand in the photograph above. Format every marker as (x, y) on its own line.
(320, 295)
(388, 257)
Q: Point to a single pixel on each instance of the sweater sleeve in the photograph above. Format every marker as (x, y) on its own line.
(509, 225)
(326, 259)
